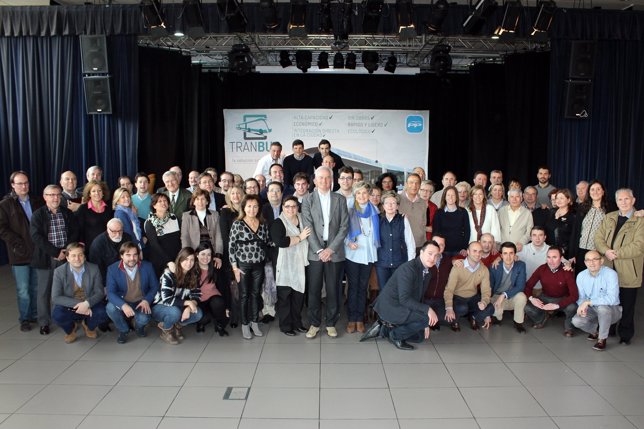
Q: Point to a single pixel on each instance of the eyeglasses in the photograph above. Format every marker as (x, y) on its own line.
(290, 206)
(54, 195)
(21, 183)
(117, 231)
(345, 178)
(592, 259)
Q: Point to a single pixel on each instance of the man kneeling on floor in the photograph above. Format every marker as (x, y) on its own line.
(402, 314)
(77, 294)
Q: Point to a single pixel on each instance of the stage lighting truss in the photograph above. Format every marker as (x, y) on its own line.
(511, 15)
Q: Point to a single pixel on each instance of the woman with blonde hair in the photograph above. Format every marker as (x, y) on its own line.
(124, 211)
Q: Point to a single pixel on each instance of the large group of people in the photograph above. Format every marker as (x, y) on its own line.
(241, 253)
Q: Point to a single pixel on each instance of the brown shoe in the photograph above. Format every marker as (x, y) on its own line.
(600, 345)
(167, 335)
(71, 337)
(88, 333)
(593, 337)
(360, 327)
(177, 332)
(351, 327)
(569, 333)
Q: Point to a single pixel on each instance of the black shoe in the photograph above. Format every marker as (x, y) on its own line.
(436, 327)
(372, 332)
(302, 329)
(267, 319)
(105, 327)
(25, 326)
(44, 330)
(290, 333)
(519, 327)
(221, 331)
(122, 338)
(402, 344)
(140, 332)
(473, 323)
(455, 327)
(496, 321)
(625, 341)
(201, 328)
(234, 325)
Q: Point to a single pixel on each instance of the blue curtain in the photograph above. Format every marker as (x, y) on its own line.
(44, 127)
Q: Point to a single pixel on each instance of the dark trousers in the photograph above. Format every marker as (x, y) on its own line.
(316, 272)
(250, 291)
(289, 308)
(412, 329)
(438, 305)
(358, 278)
(626, 327)
(538, 315)
(469, 306)
(214, 309)
(66, 317)
(384, 274)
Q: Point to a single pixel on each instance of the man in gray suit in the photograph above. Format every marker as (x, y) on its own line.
(325, 212)
(77, 294)
(515, 221)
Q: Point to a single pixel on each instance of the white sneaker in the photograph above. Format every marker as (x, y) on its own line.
(254, 327)
(312, 332)
(331, 332)
(246, 332)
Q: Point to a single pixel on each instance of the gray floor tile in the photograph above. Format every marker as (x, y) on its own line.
(278, 424)
(630, 353)
(33, 372)
(141, 401)
(628, 400)
(447, 336)
(356, 404)
(187, 351)
(517, 422)
(577, 350)
(607, 374)
(545, 374)
(506, 333)
(65, 399)
(638, 421)
(111, 422)
(111, 351)
(14, 396)
(445, 403)
(466, 353)
(198, 423)
(501, 402)
(157, 374)
(594, 422)
(290, 403)
(424, 353)
(17, 348)
(239, 352)
(524, 352)
(93, 373)
(359, 424)
(481, 374)
(438, 423)
(572, 401)
(350, 353)
(638, 367)
(418, 375)
(221, 374)
(287, 375)
(31, 421)
(3, 417)
(352, 375)
(58, 350)
(291, 353)
(205, 402)
(5, 363)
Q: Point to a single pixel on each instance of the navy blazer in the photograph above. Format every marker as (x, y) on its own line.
(403, 293)
(117, 283)
(518, 277)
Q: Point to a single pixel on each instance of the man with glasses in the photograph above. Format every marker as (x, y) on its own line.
(53, 226)
(598, 303)
(217, 200)
(226, 180)
(345, 180)
(16, 211)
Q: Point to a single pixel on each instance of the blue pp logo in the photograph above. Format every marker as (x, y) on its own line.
(415, 124)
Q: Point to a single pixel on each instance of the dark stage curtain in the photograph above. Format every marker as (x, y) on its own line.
(44, 128)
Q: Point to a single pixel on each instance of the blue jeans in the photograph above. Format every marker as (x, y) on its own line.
(26, 290)
(384, 274)
(120, 320)
(469, 306)
(358, 277)
(65, 317)
(169, 315)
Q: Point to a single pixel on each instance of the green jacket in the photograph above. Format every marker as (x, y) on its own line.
(629, 245)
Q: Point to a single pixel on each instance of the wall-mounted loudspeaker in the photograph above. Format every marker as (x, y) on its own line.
(97, 94)
(94, 54)
(578, 99)
(582, 60)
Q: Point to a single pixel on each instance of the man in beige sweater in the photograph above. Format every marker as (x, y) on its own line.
(462, 295)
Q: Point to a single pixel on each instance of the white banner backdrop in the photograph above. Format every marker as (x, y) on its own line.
(372, 140)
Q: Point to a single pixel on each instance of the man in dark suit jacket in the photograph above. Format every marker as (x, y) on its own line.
(77, 295)
(326, 213)
(507, 281)
(324, 149)
(403, 314)
(179, 197)
(207, 183)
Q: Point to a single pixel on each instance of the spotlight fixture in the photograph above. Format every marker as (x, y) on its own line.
(153, 17)
(326, 24)
(323, 61)
(239, 60)
(285, 59)
(338, 61)
(405, 16)
(178, 29)
(370, 60)
(271, 22)
(440, 60)
(392, 62)
(303, 60)
(297, 22)
(235, 18)
(192, 18)
(543, 20)
(351, 61)
(372, 14)
(346, 10)
(507, 29)
(482, 10)
(437, 15)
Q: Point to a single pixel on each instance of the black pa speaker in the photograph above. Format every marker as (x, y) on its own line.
(582, 60)
(98, 97)
(94, 54)
(578, 99)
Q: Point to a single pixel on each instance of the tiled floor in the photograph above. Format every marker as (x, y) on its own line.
(492, 379)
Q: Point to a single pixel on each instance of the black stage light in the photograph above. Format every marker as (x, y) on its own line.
(153, 18)
(346, 10)
(323, 61)
(269, 10)
(285, 59)
(351, 61)
(338, 61)
(372, 14)
(392, 62)
(303, 60)
(440, 60)
(437, 15)
(326, 24)
(405, 15)
(543, 21)
(239, 59)
(482, 10)
(297, 22)
(235, 18)
(370, 60)
(511, 15)
(192, 18)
